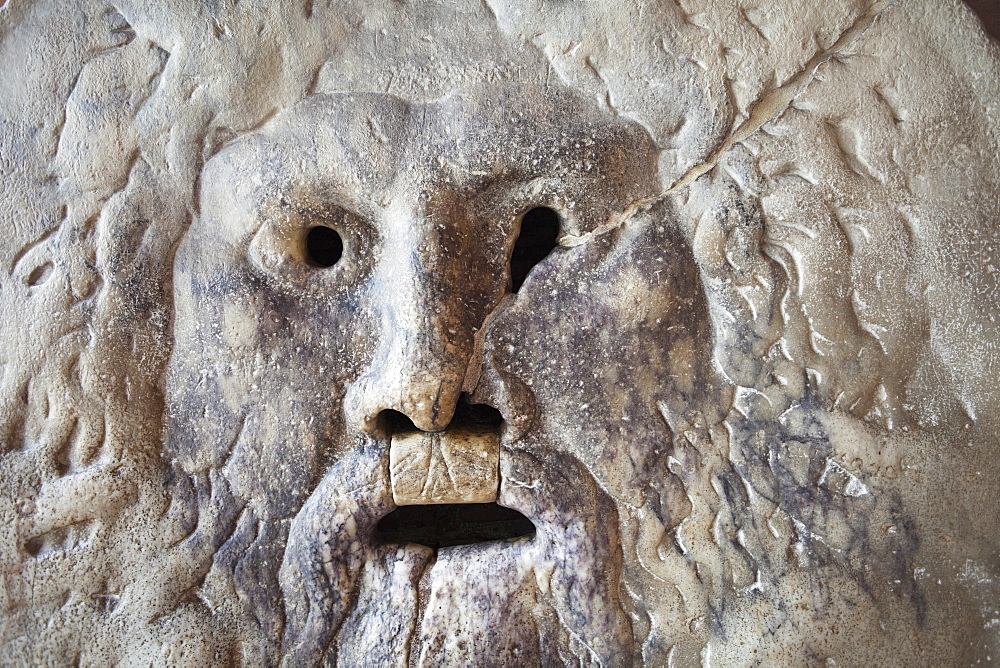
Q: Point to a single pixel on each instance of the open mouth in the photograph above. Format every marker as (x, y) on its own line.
(445, 484)
(446, 525)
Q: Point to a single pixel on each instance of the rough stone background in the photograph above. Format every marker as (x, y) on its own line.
(750, 402)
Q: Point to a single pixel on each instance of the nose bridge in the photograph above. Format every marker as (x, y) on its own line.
(429, 335)
(427, 326)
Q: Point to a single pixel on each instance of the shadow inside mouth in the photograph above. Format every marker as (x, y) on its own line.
(451, 524)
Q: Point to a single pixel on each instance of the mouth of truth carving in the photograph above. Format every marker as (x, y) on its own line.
(429, 202)
(502, 334)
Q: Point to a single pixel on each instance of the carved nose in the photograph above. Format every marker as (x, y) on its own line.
(418, 372)
(427, 323)
(429, 388)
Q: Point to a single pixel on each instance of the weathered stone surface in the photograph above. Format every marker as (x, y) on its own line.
(460, 465)
(748, 401)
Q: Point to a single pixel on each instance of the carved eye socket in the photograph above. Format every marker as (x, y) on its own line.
(539, 231)
(324, 246)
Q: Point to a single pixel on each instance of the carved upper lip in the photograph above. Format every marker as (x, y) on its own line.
(459, 465)
(446, 484)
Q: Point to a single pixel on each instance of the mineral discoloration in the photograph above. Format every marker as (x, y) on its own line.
(748, 401)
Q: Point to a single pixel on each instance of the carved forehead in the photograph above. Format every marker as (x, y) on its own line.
(338, 141)
(533, 131)
(362, 145)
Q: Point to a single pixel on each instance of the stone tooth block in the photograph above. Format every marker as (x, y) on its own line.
(459, 465)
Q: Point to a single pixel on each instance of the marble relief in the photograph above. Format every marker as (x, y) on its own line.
(499, 333)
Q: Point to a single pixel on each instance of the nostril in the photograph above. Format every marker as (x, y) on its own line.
(466, 414)
(394, 422)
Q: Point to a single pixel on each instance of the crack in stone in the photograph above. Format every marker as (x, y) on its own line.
(423, 587)
(767, 108)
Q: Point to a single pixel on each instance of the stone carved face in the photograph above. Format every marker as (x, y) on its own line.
(831, 168)
(282, 367)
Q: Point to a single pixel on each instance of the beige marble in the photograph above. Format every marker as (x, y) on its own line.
(460, 465)
(748, 401)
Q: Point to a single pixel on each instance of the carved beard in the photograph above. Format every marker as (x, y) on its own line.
(554, 599)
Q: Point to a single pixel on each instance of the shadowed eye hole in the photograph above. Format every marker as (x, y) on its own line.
(324, 246)
(539, 231)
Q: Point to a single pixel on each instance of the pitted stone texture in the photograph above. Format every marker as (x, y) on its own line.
(460, 465)
(749, 402)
